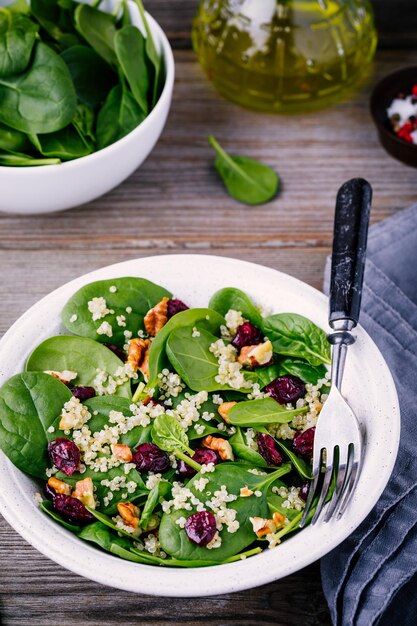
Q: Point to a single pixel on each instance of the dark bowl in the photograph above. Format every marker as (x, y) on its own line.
(382, 96)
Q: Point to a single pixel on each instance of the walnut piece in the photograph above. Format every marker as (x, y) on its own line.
(245, 492)
(129, 513)
(66, 376)
(156, 318)
(262, 527)
(224, 409)
(222, 446)
(252, 356)
(138, 355)
(59, 486)
(122, 451)
(84, 492)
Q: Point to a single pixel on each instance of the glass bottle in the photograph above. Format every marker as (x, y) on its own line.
(284, 56)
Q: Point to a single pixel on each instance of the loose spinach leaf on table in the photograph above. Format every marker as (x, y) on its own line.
(65, 144)
(98, 29)
(47, 507)
(40, 100)
(119, 115)
(93, 78)
(29, 404)
(192, 360)
(297, 336)
(130, 47)
(255, 413)
(246, 180)
(174, 540)
(17, 38)
(137, 294)
(201, 318)
(100, 408)
(77, 354)
(232, 298)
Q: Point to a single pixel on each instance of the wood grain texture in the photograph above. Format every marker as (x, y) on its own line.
(175, 203)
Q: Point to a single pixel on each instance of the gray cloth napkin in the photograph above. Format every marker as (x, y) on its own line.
(371, 578)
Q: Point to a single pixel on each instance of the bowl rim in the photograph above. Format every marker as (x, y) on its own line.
(169, 63)
(374, 106)
(231, 577)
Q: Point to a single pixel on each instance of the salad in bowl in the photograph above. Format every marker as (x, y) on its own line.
(165, 434)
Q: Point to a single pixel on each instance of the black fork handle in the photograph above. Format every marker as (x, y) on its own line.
(353, 206)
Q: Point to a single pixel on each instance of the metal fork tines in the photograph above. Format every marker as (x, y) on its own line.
(337, 445)
(338, 440)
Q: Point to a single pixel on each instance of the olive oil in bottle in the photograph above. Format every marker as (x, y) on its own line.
(284, 56)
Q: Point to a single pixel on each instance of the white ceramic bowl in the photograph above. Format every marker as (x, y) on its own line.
(368, 385)
(43, 189)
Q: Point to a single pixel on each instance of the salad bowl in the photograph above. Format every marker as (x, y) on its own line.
(368, 386)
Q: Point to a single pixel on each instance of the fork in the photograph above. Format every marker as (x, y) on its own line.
(338, 438)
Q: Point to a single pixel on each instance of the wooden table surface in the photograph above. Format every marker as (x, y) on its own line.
(175, 204)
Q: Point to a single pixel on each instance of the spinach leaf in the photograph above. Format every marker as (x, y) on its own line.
(21, 160)
(174, 540)
(42, 99)
(100, 408)
(265, 375)
(100, 534)
(275, 505)
(161, 490)
(232, 298)
(65, 144)
(155, 62)
(303, 468)
(17, 38)
(56, 20)
(295, 335)
(209, 429)
(84, 122)
(298, 367)
(80, 355)
(192, 360)
(137, 294)
(98, 29)
(242, 450)
(260, 412)
(29, 404)
(206, 319)
(246, 180)
(119, 115)
(47, 507)
(107, 521)
(12, 140)
(130, 50)
(93, 78)
(169, 435)
(101, 491)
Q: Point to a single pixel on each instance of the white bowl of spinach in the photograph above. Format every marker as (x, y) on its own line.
(85, 90)
(182, 473)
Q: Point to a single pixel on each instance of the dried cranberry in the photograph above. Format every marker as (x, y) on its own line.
(49, 492)
(65, 455)
(116, 350)
(72, 510)
(83, 393)
(176, 306)
(304, 489)
(201, 527)
(149, 458)
(267, 449)
(303, 442)
(286, 388)
(247, 335)
(201, 455)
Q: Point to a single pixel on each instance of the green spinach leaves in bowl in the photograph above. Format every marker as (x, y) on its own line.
(73, 79)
